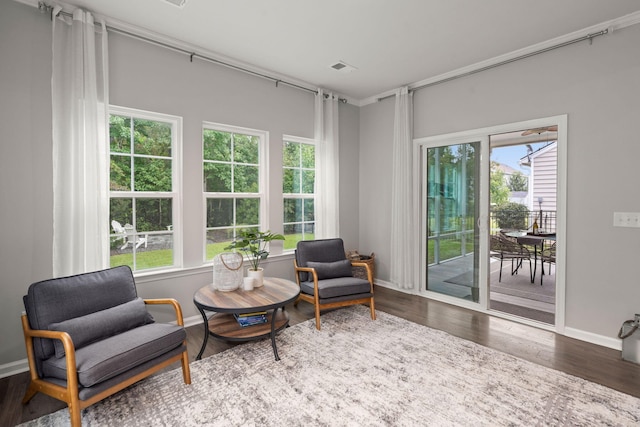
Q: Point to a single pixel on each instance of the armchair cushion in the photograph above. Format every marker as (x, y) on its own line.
(102, 324)
(332, 270)
(112, 356)
(64, 298)
(340, 286)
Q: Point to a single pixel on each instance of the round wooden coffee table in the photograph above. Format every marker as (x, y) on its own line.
(271, 297)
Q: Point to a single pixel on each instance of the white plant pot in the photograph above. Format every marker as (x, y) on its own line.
(257, 275)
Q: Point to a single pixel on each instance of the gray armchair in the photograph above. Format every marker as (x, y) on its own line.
(326, 280)
(89, 336)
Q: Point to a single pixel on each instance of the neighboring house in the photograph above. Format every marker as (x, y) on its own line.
(543, 179)
(521, 197)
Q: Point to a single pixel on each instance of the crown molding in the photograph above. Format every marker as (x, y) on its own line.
(180, 46)
(611, 26)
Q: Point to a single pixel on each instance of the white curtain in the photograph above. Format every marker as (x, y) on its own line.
(79, 85)
(403, 224)
(327, 167)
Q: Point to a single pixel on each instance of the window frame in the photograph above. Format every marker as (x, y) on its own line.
(263, 179)
(300, 195)
(176, 182)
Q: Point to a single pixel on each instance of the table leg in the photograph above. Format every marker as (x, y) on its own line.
(535, 262)
(273, 332)
(541, 259)
(206, 333)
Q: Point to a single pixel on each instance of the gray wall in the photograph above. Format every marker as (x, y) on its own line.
(598, 87)
(151, 78)
(25, 165)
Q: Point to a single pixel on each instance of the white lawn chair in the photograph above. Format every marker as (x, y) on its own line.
(133, 238)
(119, 232)
(128, 235)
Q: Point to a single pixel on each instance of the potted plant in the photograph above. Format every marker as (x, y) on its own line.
(254, 244)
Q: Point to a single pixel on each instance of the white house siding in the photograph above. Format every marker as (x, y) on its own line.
(544, 172)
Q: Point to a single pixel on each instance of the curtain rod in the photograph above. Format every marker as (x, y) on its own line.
(42, 6)
(589, 37)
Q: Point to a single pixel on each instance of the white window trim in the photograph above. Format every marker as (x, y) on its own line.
(299, 140)
(263, 177)
(176, 178)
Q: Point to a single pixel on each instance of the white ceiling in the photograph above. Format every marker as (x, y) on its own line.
(390, 42)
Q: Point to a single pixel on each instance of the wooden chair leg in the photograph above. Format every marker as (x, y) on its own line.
(31, 391)
(317, 307)
(74, 413)
(372, 307)
(186, 372)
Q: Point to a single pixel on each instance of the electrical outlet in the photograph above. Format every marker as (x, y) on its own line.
(626, 219)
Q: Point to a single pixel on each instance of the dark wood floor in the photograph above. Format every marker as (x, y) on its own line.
(598, 364)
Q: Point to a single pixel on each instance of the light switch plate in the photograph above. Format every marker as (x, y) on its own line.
(626, 219)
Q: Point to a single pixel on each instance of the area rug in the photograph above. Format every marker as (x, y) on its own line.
(359, 372)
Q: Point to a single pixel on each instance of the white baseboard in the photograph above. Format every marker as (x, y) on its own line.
(193, 320)
(14, 368)
(605, 341)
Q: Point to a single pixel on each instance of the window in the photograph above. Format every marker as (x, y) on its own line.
(234, 179)
(143, 188)
(298, 188)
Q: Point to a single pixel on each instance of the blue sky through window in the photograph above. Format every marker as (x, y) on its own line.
(511, 155)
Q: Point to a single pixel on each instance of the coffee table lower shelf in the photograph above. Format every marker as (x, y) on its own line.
(224, 326)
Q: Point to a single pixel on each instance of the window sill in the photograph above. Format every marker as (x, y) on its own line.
(174, 273)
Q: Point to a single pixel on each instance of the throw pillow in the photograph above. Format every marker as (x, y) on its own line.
(102, 324)
(332, 270)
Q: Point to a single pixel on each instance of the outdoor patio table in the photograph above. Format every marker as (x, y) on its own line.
(534, 240)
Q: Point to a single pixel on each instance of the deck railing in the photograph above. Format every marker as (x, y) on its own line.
(450, 244)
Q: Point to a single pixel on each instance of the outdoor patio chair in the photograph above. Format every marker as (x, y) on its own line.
(505, 249)
(134, 238)
(326, 280)
(118, 230)
(129, 235)
(548, 255)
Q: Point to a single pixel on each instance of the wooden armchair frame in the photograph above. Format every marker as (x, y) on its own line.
(69, 394)
(315, 298)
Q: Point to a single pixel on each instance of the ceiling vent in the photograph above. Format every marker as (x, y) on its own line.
(179, 3)
(343, 67)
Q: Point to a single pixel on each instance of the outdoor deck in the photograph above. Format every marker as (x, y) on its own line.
(515, 294)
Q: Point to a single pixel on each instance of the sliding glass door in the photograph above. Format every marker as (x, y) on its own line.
(451, 202)
(459, 199)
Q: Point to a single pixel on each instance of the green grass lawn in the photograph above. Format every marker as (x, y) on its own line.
(164, 257)
(449, 248)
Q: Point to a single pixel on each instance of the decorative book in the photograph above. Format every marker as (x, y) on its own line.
(250, 319)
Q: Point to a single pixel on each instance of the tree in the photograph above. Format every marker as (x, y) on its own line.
(498, 188)
(145, 147)
(511, 216)
(518, 182)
